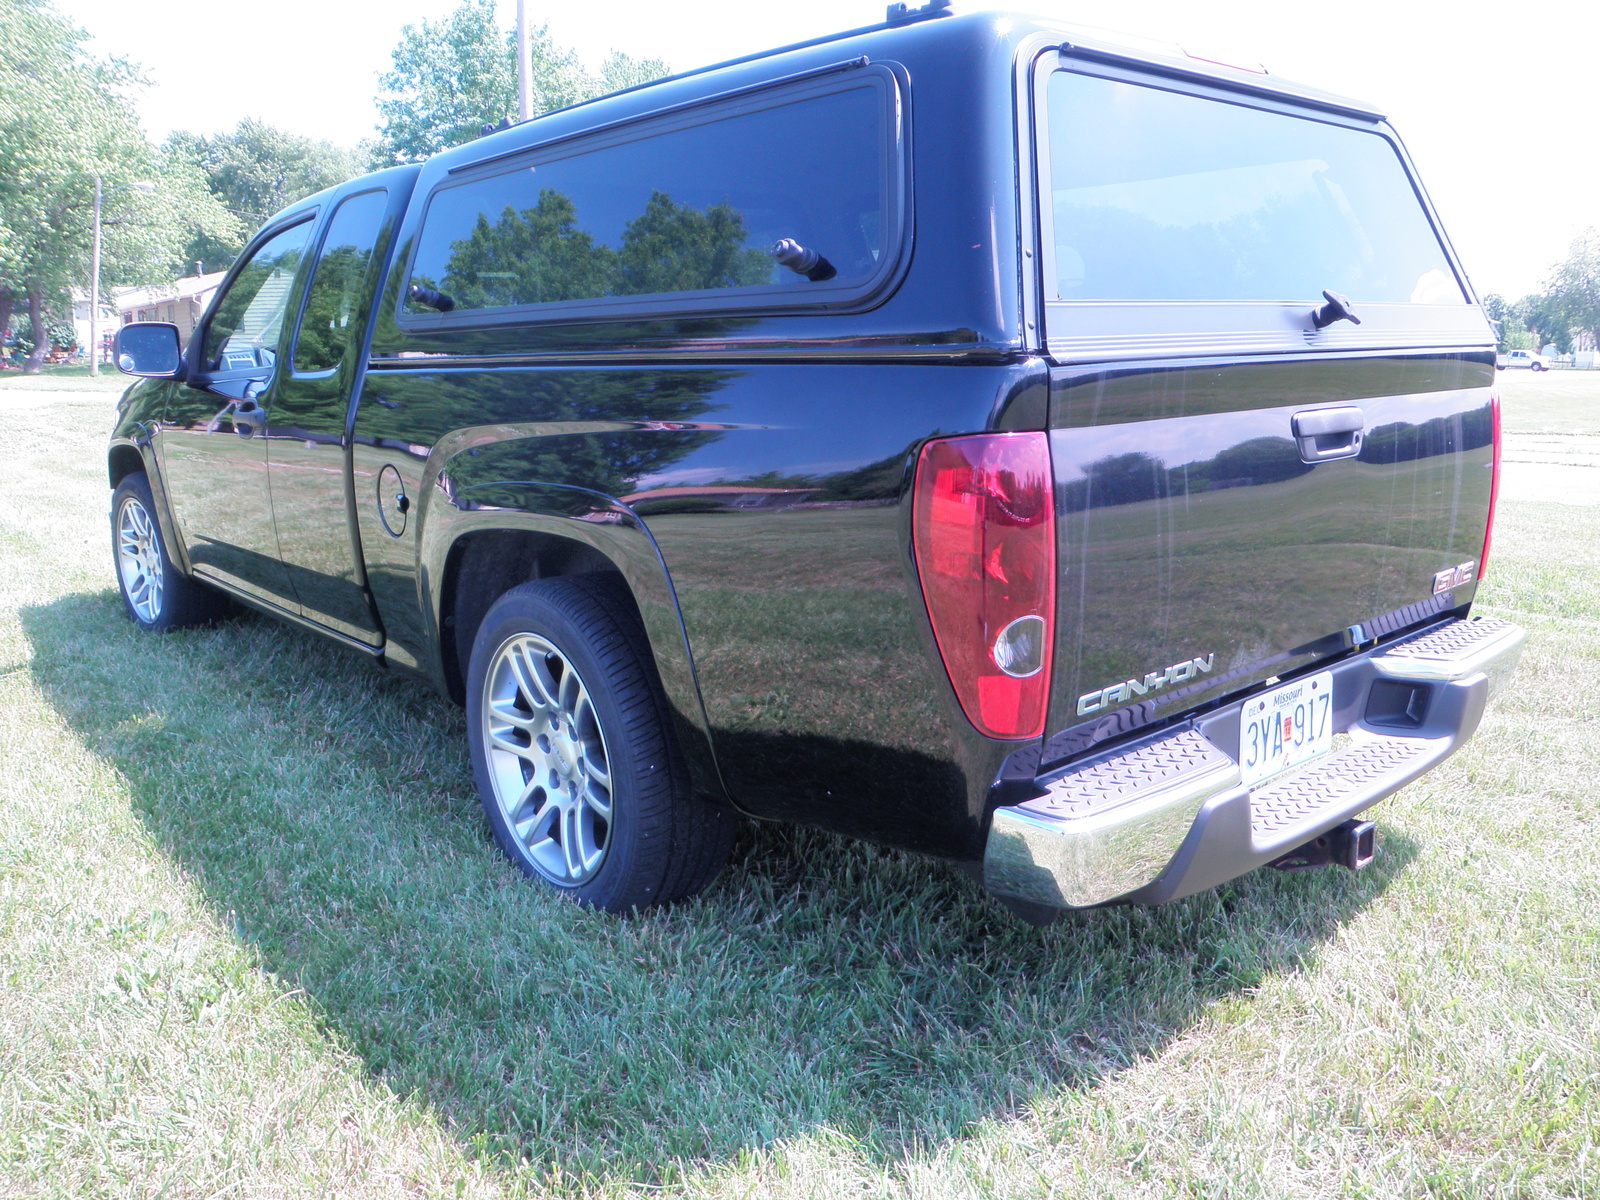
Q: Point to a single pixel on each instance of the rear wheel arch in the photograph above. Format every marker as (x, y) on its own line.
(469, 559)
(484, 565)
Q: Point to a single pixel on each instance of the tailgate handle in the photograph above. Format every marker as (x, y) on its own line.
(1328, 433)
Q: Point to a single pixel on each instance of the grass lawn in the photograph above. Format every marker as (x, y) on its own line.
(63, 379)
(255, 941)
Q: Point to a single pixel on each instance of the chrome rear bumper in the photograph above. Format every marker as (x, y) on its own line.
(1167, 816)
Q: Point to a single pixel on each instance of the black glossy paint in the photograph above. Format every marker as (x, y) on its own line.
(1190, 526)
(307, 460)
(745, 474)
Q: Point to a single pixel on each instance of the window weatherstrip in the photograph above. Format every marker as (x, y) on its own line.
(849, 64)
(1179, 73)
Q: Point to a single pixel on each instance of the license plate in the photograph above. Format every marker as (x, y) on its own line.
(1285, 727)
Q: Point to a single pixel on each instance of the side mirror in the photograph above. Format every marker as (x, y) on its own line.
(149, 349)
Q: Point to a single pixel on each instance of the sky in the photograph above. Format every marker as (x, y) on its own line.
(1496, 108)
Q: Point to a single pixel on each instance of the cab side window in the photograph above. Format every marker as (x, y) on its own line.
(785, 198)
(247, 322)
(338, 282)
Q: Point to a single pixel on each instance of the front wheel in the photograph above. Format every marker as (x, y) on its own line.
(573, 754)
(1540, 367)
(155, 594)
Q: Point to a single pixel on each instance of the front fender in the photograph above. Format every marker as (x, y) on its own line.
(137, 427)
(606, 527)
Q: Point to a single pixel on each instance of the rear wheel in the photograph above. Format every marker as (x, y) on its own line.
(155, 594)
(573, 754)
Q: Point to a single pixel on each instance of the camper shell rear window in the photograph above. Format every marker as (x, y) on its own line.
(1156, 194)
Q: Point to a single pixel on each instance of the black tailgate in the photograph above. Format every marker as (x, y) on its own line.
(1200, 554)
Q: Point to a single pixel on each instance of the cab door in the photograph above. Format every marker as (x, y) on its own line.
(306, 446)
(214, 439)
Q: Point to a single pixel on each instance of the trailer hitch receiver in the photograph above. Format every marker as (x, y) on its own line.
(1351, 845)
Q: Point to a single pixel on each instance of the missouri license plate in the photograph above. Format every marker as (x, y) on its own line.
(1285, 727)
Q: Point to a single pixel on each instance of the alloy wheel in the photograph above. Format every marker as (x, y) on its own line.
(547, 759)
(139, 560)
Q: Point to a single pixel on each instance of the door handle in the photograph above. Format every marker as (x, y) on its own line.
(1323, 434)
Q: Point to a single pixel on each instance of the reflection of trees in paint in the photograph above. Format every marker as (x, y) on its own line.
(648, 421)
(540, 255)
(1136, 476)
(875, 483)
(1133, 477)
(1403, 441)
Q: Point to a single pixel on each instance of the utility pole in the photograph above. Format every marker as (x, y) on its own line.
(94, 288)
(142, 185)
(524, 64)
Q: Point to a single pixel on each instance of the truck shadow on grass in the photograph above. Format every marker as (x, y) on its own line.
(821, 988)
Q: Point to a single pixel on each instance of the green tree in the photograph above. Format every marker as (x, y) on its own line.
(1573, 291)
(66, 119)
(453, 76)
(256, 171)
(1543, 316)
(1512, 329)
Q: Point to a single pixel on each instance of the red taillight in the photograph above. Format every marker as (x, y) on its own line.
(1494, 481)
(984, 535)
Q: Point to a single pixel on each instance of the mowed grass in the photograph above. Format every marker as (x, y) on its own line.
(62, 378)
(255, 941)
(1550, 401)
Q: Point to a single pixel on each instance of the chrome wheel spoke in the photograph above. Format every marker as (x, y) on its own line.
(572, 839)
(598, 798)
(597, 771)
(539, 814)
(498, 740)
(530, 673)
(572, 696)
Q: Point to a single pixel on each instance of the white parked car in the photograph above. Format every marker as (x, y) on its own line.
(1522, 358)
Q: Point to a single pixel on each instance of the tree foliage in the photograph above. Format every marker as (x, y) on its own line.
(1569, 304)
(256, 171)
(1574, 288)
(66, 119)
(453, 76)
(1511, 332)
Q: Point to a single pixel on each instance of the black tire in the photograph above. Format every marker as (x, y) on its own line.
(156, 596)
(562, 693)
(1540, 367)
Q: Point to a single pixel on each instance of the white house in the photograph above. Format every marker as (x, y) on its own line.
(181, 303)
(80, 315)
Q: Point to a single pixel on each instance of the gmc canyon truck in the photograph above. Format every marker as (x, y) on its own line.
(962, 433)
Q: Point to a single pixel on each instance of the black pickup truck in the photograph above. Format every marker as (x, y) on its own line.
(963, 433)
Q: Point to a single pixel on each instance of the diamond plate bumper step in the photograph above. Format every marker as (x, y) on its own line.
(1167, 816)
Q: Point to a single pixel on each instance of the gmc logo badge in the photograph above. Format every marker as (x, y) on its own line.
(1452, 577)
